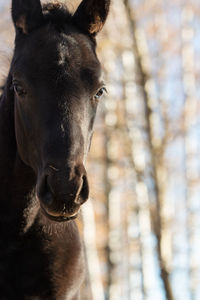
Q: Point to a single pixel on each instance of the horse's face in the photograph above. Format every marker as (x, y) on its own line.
(57, 85)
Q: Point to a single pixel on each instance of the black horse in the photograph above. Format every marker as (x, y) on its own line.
(47, 111)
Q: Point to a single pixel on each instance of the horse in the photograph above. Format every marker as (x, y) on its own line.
(47, 112)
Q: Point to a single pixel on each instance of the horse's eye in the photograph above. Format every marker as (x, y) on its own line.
(19, 90)
(100, 93)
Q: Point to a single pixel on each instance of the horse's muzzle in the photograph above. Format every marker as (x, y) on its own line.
(62, 192)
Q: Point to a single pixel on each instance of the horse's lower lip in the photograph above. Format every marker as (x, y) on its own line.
(58, 218)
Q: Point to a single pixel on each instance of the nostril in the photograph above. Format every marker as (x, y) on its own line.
(44, 192)
(85, 188)
(84, 192)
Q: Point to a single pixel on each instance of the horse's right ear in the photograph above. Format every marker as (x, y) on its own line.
(26, 15)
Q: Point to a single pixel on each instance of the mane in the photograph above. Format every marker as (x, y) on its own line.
(1, 90)
(56, 13)
(5, 61)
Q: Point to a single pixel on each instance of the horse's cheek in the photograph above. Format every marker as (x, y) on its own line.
(21, 136)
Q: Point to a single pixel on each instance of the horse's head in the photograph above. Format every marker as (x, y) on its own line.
(57, 84)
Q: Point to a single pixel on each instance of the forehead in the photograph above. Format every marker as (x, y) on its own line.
(47, 53)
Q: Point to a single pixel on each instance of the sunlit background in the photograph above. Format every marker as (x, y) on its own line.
(141, 227)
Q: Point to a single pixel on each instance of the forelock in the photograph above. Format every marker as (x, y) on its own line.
(56, 13)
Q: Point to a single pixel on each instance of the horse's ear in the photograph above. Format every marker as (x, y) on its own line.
(26, 15)
(91, 15)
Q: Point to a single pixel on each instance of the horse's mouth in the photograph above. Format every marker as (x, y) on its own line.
(58, 218)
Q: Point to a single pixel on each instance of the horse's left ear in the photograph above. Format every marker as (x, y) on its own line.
(91, 15)
(26, 15)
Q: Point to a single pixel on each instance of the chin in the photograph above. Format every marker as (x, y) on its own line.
(56, 217)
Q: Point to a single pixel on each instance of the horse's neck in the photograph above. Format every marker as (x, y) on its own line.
(16, 179)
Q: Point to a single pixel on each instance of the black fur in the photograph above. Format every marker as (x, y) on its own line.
(47, 111)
